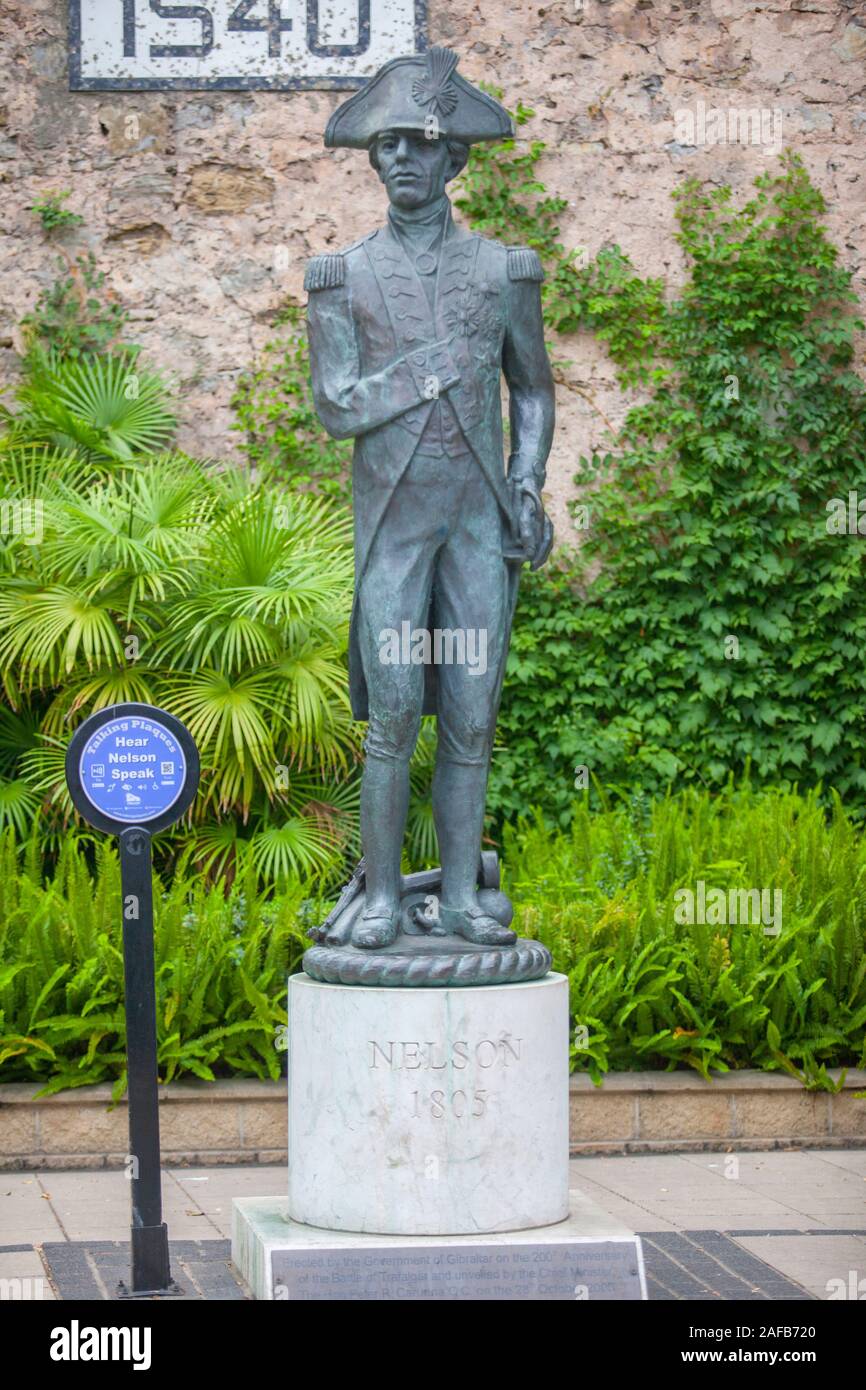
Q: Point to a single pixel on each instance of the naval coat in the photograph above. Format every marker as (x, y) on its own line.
(377, 344)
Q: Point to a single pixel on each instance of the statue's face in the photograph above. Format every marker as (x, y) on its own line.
(413, 169)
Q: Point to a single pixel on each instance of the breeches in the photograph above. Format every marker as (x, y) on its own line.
(436, 566)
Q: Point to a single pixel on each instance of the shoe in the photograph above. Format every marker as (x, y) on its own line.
(375, 929)
(474, 925)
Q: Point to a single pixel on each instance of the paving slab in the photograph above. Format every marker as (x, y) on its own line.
(791, 1189)
(632, 1215)
(852, 1159)
(23, 1276)
(808, 1184)
(25, 1214)
(97, 1185)
(263, 1178)
(86, 1201)
(828, 1266)
(708, 1265)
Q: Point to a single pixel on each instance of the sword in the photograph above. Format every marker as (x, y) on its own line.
(516, 555)
(347, 896)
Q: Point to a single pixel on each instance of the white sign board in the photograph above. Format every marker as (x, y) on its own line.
(231, 44)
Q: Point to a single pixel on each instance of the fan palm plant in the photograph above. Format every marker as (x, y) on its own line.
(224, 602)
(105, 407)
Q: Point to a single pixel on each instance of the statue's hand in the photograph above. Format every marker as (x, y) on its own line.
(438, 367)
(531, 522)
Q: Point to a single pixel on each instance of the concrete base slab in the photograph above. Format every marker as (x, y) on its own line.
(589, 1256)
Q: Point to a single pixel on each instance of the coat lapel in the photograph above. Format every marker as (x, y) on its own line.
(406, 304)
(455, 278)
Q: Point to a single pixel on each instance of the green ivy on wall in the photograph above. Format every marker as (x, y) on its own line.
(714, 616)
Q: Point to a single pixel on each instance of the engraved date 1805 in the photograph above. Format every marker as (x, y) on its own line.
(460, 1104)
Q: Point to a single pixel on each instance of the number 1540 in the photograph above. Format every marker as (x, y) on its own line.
(248, 17)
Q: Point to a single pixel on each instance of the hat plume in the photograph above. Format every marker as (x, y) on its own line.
(435, 89)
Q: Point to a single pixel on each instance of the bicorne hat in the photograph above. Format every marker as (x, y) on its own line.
(420, 92)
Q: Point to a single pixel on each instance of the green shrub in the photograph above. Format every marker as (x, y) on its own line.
(104, 408)
(129, 574)
(53, 214)
(222, 959)
(650, 991)
(655, 992)
(76, 316)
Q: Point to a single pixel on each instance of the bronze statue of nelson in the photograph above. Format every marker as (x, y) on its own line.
(411, 330)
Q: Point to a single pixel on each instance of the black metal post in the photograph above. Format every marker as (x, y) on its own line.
(149, 1235)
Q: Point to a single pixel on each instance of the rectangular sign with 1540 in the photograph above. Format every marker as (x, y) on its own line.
(237, 44)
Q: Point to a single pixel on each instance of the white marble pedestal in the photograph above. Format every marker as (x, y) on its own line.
(428, 1111)
(428, 1154)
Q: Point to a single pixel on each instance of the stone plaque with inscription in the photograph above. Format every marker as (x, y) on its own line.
(588, 1257)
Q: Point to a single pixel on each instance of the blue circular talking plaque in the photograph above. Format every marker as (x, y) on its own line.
(132, 765)
(132, 769)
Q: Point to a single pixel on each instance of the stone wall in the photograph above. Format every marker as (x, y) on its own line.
(204, 208)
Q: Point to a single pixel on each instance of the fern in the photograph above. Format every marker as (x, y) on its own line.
(656, 993)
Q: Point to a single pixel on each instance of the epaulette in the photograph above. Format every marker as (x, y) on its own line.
(328, 271)
(325, 272)
(524, 264)
(368, 236)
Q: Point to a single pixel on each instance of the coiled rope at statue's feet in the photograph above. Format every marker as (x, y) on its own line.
(497, 965)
